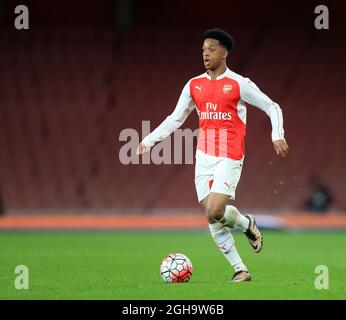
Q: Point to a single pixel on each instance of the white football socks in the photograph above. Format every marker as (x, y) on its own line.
(233, 218)
(226, 244)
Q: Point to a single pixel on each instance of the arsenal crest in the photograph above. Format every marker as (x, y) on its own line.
(227, 88)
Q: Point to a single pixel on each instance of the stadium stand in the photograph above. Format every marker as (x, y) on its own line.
(68, 92)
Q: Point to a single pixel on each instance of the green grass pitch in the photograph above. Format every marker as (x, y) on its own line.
(125, 265)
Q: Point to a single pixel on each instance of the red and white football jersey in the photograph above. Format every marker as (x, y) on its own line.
(221, 108)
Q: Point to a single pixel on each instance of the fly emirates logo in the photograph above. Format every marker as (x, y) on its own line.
(211, 113)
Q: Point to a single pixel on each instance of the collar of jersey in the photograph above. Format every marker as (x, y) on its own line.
(222, 75)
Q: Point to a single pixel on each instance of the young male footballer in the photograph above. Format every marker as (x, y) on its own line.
(219, 96)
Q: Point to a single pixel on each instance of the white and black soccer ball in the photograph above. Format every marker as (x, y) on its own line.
(176, 267)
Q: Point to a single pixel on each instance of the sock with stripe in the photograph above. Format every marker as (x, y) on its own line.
(233, 218)
(225, 242)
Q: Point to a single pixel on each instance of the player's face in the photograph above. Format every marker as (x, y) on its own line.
(213, 54)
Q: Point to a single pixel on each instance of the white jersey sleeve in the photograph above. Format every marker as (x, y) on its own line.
(251, 94)
(182, 110)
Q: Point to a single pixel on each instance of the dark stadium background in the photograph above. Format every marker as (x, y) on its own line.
(84, 71)
(88, 227)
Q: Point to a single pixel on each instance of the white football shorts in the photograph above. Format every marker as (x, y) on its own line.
(216, 174)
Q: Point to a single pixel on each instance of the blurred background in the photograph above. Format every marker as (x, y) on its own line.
(84, 71)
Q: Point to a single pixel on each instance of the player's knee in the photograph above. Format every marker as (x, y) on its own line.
(214, 212)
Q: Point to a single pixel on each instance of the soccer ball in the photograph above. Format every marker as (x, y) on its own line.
(176, 267)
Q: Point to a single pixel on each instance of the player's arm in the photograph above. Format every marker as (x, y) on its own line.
(182, 110)
(251, 94)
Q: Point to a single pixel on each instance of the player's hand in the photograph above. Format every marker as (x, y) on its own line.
(142, 148)
(281, 147)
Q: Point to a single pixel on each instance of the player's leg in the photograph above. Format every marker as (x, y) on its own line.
(226, 178)
(204, 170)
(214, 204)
(232, 218)
(210, 173)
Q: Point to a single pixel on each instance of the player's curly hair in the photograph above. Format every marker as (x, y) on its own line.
(224, 38)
